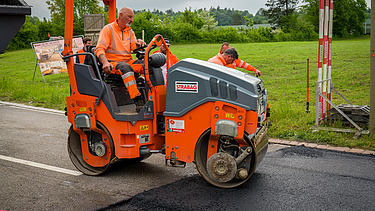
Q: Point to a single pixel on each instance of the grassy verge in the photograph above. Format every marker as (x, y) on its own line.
(17, 82)
(283, 66)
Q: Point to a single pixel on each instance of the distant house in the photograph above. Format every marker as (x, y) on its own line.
(367, 26)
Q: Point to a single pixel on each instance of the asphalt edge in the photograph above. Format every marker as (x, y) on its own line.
(32, 107)
(321, 146)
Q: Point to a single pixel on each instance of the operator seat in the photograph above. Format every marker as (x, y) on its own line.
(117, 84)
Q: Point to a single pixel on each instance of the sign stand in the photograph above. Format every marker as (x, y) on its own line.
(48, 55)
(36, 65)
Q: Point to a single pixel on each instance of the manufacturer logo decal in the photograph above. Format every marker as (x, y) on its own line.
(187, 87)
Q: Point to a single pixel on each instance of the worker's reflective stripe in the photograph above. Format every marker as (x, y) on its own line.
(132, 82)
(113, 38)
(128, 74)
(116, 52)
(103, 43)
(242, 62)
(129, 79)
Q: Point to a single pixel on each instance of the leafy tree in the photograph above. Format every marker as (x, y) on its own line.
(279, 11)
(192, 17)
(81, 7)
(209, 21)
(259, 17)
(311, 12)
(348, 16)
(169, 11)
(237, 19)
(45, 27)
(249, 21)
(148, 22)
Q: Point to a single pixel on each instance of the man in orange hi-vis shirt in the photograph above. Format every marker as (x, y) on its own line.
(238, 62)
(226, 58)
(86, 43)
(116, 42)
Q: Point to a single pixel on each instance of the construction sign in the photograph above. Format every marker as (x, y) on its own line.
(48, 55)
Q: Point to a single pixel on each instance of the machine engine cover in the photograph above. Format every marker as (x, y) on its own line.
(193, 82)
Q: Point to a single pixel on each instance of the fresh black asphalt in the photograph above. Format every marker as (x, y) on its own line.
(294, 178)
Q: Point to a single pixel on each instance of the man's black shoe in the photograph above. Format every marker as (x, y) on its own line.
(138, 103)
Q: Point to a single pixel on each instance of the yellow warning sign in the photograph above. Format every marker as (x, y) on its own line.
(143, 127)
(228, 115)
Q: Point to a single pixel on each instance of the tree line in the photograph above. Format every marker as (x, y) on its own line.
(288, 22)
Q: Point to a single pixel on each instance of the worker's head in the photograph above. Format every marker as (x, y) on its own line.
(162, 48)
(224, 47)
(230, 55)
(125, 17)
(86, 42)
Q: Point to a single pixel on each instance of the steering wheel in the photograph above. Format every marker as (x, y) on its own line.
(140, 51)
(142, 48)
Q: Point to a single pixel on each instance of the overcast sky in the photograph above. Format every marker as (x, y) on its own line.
(40, 9)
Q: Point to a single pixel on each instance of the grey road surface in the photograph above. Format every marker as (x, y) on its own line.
(39, 136)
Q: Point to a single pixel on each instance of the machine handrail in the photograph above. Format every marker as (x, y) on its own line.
(147, 51)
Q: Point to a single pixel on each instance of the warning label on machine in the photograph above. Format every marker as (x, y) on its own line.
(177, 126)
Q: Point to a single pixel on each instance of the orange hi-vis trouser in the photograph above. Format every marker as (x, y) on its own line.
(126, 70)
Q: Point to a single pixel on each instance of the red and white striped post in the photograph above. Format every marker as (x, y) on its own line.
(320, 54)
(325, 54)
(329, 52)
(320, 57)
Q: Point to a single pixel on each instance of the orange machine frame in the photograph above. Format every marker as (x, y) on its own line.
(125, 134)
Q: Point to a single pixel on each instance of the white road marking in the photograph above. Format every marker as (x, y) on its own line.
(27, 107)
(40, 165)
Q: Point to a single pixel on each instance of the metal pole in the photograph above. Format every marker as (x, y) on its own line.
(308, 87)
(372, 71)
(317, 107)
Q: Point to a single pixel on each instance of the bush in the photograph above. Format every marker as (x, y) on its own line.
(186, 33)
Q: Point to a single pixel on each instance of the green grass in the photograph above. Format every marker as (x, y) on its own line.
(17, 84)
(283, 66)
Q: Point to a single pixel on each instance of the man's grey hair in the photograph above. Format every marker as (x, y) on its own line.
(232, 52)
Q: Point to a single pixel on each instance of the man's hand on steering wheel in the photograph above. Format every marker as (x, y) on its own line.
(140, 43)
(107, 68)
